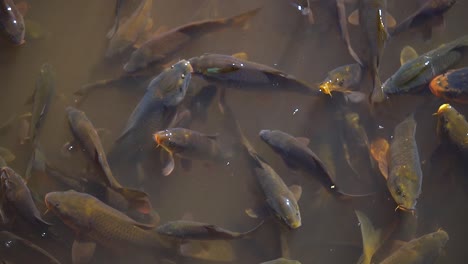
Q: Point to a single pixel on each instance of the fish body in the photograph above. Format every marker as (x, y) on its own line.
(131, 30)
(191, 230)
(405, 176)
(452, 125)
(451, 86)
(281, 261)
(19, 196)
(412, 75)
(164, 92)
(229, 69)
(14, 249)
(92, 219)
(159, 47)
(297, 155)
(12, 22)
(341, 78)
(430, 14)
(41, 99)
(422, 250)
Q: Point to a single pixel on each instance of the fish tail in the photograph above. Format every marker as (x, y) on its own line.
(242, 19)
(377, 95)
(371, 238)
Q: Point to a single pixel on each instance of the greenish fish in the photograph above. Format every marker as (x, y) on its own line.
(405, 178)
(453, 126)
(11, 22)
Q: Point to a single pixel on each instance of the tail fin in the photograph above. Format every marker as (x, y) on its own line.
(242, 19)
(371, 238)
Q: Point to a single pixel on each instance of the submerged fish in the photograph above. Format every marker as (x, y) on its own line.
(453, 126)
(188, 144)
(341, 11)
(95, 222)
(19, 197)
(11, 22)
(281, 261)
(164, 92)
(230, 69)
(451, 86)
(341, 79)
(14, 249)
(413, 75)
(371, 238)
(161, 46)
(130, 30)
(41, 99)
(430, 14)
(405, 175)
(88, 137)
(425, 249)
(375, 20)
(190, 230)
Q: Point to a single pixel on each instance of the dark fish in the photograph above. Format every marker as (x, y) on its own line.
(88, 137)
(230, 69)
(95, 222)
(413, 75)
(341, 79)
(453, 126)
(405, 175)
(117, 12)
(281, 261)
(425, 18)
(422, 250)
(41, 99)
(164, 92)
(11, 22)
(161, 46)
(280, 199)
(451, 86)
(190, 145)
(297, 155)
(14, 249)
(190, 230)
(130, 30)
(373, 17)
(19, 197)
(341, 11)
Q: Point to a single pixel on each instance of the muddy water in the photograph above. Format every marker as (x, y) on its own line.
(218, 193)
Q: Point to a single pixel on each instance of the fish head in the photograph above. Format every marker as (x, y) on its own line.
(13, 24)
(440, 237)
(400, 185)
(172, 84)
(271, 137)
(173, 140)
(10, 182)
(74, 115)
(139, 59)
(287, 210)
(72, 207)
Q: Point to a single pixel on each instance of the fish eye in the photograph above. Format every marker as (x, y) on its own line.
(399, 192)
(171, 144)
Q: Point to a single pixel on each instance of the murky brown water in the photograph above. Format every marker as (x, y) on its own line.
(278, 36)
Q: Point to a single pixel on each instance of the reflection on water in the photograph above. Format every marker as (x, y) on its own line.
(279, 37)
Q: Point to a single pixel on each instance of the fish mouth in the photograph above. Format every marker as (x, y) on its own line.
(443, 108)
(159, 141)
(406, 209)
(295, 224)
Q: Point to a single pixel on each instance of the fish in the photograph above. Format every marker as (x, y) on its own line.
(405, 175)
(95, 222)
(452, 125)
(12, 22)
(341, 11)
(341, 79)
(229, 69)
(15, 249)
(88, 137)
(429, 15)
(161, 46)
(407, 54)
(190, 145)
(425, 249)
(281, 200)
(371, 238)
(372, 15)
(43, 94)
(298, 156)
(451, 86)
(19, 197)
(117, 12)
(152, 113)
(281, 261)
(190, 230)
(412, 76)
(130, 30)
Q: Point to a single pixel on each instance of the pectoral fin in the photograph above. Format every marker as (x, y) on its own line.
(304, 141)
(169, 166)
(82, 251)
(353, 18)
(258, 212)
(297, 191)
(137, 199)
(241, 55)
